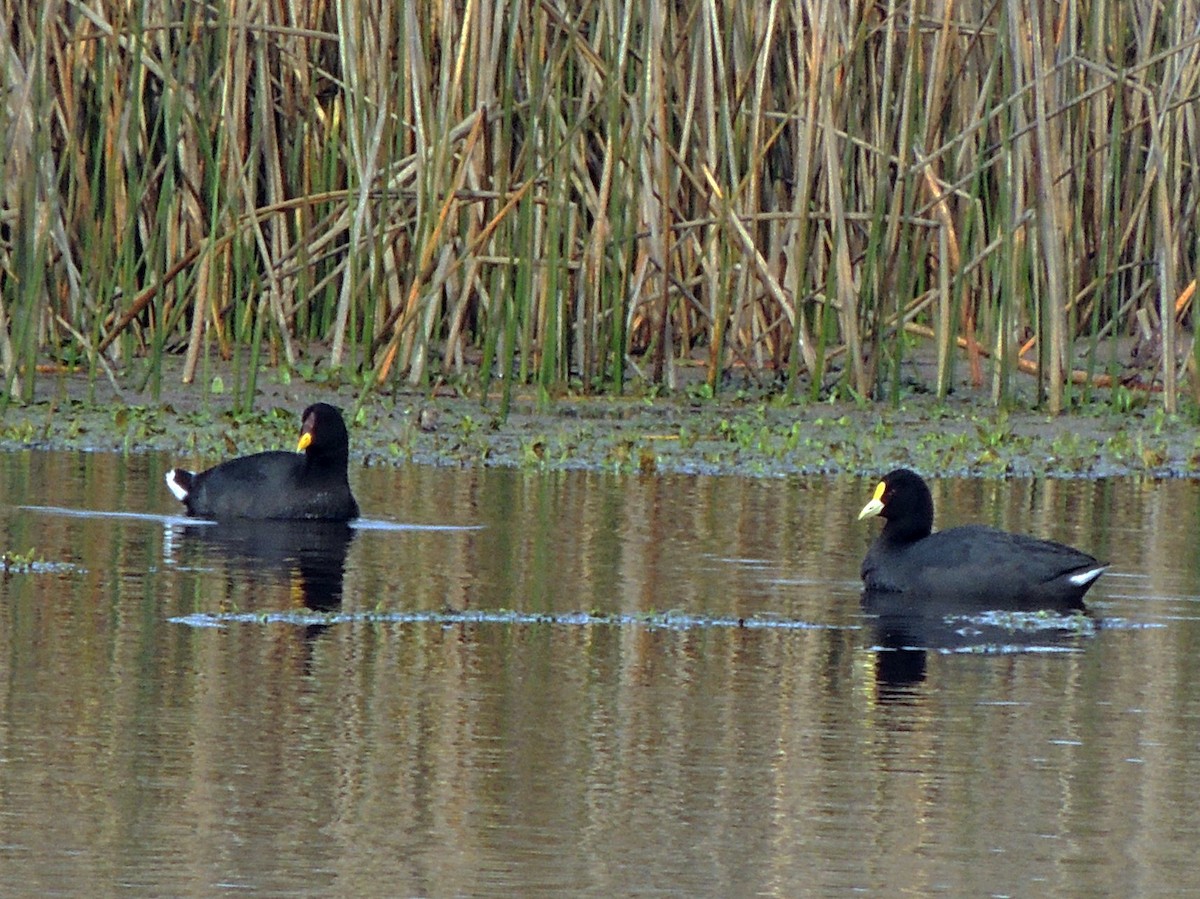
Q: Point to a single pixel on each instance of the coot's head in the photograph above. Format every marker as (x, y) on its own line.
(903, 500)
(323, 433)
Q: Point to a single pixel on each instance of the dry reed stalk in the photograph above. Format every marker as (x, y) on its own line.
(567, 190)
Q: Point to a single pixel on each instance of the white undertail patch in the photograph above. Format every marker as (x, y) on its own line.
(1083, 578)
(178, 489)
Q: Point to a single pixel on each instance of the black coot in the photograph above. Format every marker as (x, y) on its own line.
(309, 483)
(973, 565)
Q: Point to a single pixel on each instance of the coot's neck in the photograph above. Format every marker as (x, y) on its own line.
(327, 459)
(901, 532)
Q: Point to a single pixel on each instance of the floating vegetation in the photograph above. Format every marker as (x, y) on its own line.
(978, 633)
(19, 563)
(676, 621)
(29, 562)
(1028, 622)
(990, 649)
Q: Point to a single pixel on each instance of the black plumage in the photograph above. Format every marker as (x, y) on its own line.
(310, 483)
(971, 565)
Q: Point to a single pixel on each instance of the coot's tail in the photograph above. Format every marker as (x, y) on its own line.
(179, 481)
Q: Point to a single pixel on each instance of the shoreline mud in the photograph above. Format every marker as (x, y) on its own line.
(744, 433)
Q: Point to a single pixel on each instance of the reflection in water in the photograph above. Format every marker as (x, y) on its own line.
(945, 626)
(310, 556)
(547, 752)
(898, 672)
(903, 629)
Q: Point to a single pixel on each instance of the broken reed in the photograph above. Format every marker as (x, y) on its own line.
(568, 195)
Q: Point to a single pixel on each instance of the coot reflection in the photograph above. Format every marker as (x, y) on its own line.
(309, 556)
(904, 628)
(943, 623)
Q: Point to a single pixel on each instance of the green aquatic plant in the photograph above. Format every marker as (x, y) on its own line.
(533, 452)
(993, 433)
(12, 562)
(687, 437)
(468, 426)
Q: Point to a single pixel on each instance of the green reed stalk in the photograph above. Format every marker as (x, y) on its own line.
(390, 184)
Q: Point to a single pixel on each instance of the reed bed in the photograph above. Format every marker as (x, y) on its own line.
(573, 195)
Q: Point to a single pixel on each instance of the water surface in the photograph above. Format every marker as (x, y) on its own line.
(578, 683)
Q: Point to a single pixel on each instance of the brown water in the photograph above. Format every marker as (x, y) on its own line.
(579, 684)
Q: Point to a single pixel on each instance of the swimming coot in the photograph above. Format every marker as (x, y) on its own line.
(309, 483)
(976, 565)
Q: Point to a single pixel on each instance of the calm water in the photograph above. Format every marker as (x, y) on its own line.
(535, 684)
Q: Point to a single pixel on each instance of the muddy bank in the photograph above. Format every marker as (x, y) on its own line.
(742, 433)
